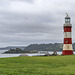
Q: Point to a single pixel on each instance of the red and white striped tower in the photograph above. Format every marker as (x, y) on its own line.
(67, 46)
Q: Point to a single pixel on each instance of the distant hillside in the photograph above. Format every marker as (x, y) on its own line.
(47, 47)
(17, 50)
(12, 47)
(39, 47)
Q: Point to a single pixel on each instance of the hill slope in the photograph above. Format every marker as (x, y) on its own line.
(12, 47)
(47, 47)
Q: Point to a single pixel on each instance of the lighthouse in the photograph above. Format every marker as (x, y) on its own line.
(67, 45)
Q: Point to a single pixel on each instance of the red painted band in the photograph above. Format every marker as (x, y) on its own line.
(67, 29)
(67, 52)
(67, 40)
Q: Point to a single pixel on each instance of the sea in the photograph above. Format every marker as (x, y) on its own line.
(29, 54)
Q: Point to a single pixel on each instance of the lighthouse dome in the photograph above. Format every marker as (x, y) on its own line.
(67, 17)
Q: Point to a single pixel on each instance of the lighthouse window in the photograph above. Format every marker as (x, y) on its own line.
(66, 41)
(66, 20)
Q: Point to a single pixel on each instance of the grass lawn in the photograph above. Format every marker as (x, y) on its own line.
(51, 65)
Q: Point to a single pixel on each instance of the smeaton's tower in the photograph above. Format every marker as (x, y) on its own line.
(67, 46)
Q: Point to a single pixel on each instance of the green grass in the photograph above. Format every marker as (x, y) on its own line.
(51, 65)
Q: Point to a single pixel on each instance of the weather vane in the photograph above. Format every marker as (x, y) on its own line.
(66, 14)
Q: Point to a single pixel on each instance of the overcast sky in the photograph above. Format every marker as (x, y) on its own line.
(24, 22)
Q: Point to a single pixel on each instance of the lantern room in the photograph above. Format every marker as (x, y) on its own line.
(67, 19)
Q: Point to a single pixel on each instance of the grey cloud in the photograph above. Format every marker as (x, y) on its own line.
(24, 28)
(30, 1)
(26, 23)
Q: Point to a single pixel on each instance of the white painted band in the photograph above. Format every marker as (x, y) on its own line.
(67, 47)
(67, 35)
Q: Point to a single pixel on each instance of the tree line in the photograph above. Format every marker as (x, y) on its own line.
(34, 48)
(47, 47)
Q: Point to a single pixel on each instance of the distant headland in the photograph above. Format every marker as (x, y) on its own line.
(33, 48)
